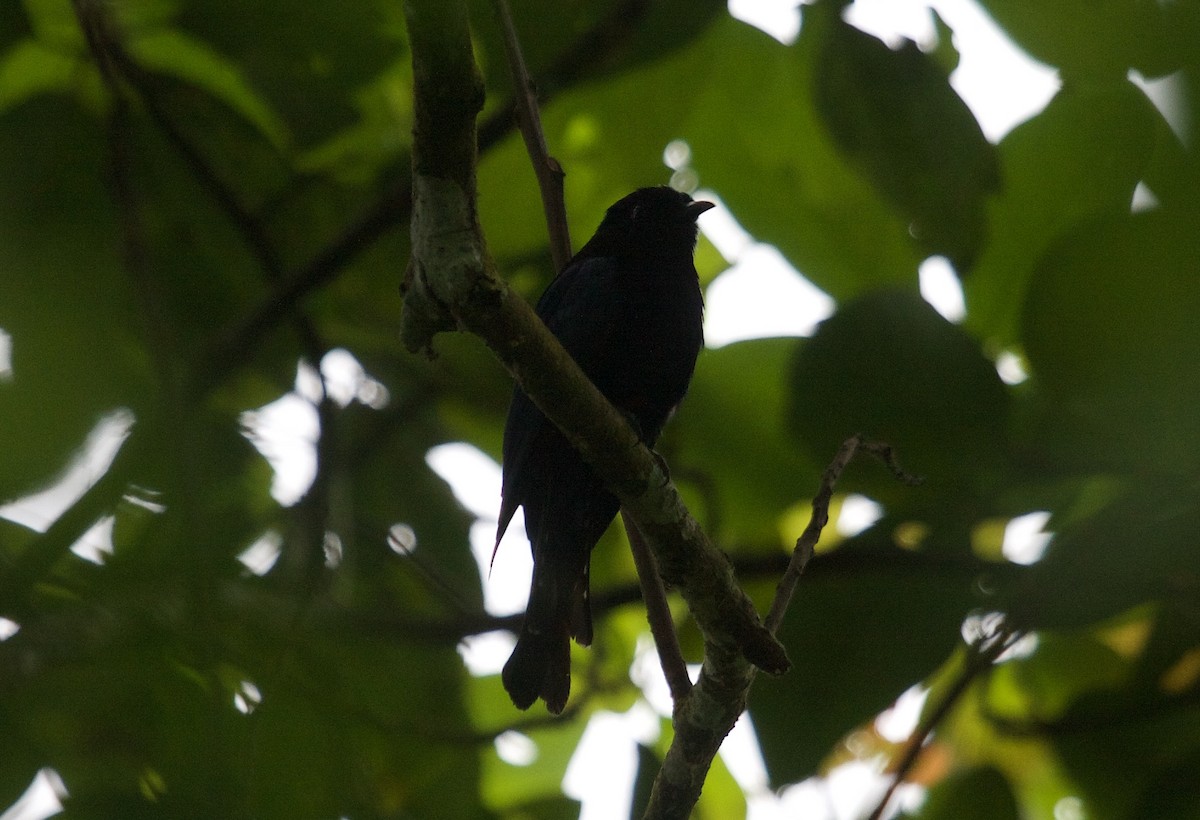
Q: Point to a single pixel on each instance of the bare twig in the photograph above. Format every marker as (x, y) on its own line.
(658, 613)
(549, 172)
(981, 655)
(887, 455)
(806, 544)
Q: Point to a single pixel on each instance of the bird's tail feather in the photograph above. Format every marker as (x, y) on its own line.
(540, 665)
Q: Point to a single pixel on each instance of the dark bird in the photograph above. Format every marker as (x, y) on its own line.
(629, 310)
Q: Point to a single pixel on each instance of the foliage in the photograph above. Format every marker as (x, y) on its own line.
(195, 196)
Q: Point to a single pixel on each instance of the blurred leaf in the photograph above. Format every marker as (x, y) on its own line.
(734, 92)
(54, 23)
(981, 794)
(1087, 39)
(1174, 794)
(29, 68)
(1061, 670)
(582, 31)
(1160, 747)
(894, 114)
(900, 631)
(310, 63)
(888, 366)
(733, 417)
(1137, 548)
(1080, 158)
(789, 185)
(175, 53)
(76, 351)
(1109, 331)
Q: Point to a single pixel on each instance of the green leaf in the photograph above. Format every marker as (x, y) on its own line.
(304, 65)
(1172, 794)
(894, 114)
(1080, 158)
(981, 794)
(64, 297)
(29, 68)
(889, 367)
(179, 55)
(734, 92)
(863, 637)
(1043, 686)
(789, 186)
(1109, 329)
(54, 23)
(1089, 39)
(1154, 521)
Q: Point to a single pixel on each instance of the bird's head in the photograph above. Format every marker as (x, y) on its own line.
(649, 221)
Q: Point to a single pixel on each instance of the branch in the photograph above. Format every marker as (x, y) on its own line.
(806, 544)
(658, 614)
(549, 172)
(451, 284)
(719, 696)
(982, 654)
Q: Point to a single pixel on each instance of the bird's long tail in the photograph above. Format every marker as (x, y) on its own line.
(540, 665)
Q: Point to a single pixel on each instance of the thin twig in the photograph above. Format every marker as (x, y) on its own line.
(887, 455)
(806, 544)
(658, 613)
(549, 172)
(982, 654)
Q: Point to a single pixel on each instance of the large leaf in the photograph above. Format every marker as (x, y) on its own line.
(734, 443)
(1088, 39)
(889, 367)
(858, 641)
(64, 297)
(894, 114)
(734, 92)
(1140, 547)
(1080, 158)
(1109, 330)
(310, 63)
(982, 794)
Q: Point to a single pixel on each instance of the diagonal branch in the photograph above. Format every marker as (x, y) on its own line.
(982, 654)
(451, 284)
(806, 544)
(658, 613)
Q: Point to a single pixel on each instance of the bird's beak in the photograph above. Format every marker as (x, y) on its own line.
(698, 207)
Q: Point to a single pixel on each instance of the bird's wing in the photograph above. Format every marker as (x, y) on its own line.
(580, 307)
